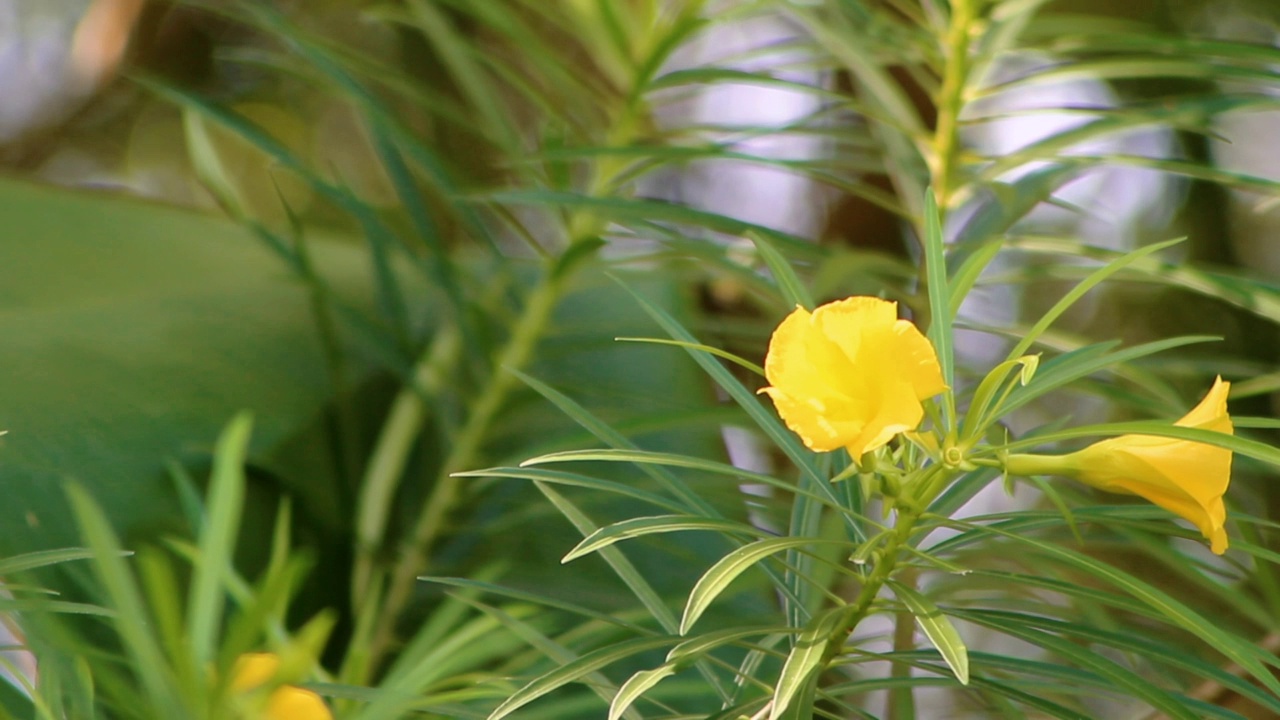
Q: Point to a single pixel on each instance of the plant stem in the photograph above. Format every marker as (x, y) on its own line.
(391, 454)
(857, 610)
(466, 446)
(951, 102)
(900, 704)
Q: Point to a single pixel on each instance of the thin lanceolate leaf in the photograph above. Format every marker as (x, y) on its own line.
(1121, 676)
(641, 526)
(132, 620)
(1086, 361)
(596, 681)
(559, 477)
(607, 434)
(793, 290)
(937, 628)
(728, 568)
(935, 259)
(577, 670)
(636, 686)
(646, 457)
(767, 422)
(628, 573)
(42, 558)
(1243, 653)
(804, 661)
(1079, 291)
(535, 599)
(218, 540)
(1243, 446)
(1132, 642)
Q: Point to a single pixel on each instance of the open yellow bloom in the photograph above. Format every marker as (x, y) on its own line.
(850, 374)
(1184, 477)
(285, 702)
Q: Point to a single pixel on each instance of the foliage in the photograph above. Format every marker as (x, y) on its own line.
(441, 411)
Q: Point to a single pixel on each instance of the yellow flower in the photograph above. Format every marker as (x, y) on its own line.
(850, 374)
(1186, 478)
(286, 702)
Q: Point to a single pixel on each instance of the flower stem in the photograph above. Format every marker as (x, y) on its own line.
(466, 446)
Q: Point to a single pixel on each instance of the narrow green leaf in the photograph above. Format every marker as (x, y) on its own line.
(637, 685)
(1243, 653)
(125, 598)
(935, 259)
(789, 284)
(42, 558)
(937, 628)
(1249, 448)
(1080, 290)
(727, 569)
(725, 354)
(967, 276)
(645, 457)
(641, 526)
(218, 541)
(626, 571)
(1083, 362)
(576, 671)
(803, 664)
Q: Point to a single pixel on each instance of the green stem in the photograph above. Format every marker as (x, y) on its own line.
(395, 445)
(901, 704)
(1029, 465)
(951, 102)
(857, 610)
(466, 446)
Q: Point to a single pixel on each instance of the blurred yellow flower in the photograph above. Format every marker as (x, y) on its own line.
(286, 702)
(1184, 477)
(850, 374)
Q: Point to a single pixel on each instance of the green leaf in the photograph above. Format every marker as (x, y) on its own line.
(727, 569)
(1077, 292)
(218, 540)
(132, 620)
(159, 326)
(935, 261)
(639, 527)
(937, 628)
(793, 290)
(637, 685)
(576, 671)
(804, 662)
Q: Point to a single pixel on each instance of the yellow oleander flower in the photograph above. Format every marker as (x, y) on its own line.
(1186, 478)
(850, 374)
(286, 702)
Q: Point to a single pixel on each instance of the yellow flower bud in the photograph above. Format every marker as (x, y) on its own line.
(850, 374)
(286, 702)
(1186, 478)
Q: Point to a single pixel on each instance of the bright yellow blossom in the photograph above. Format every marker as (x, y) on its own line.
(850, 374)
(285, 702)
(1184, 477)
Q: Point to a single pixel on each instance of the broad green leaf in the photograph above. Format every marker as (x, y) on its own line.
(639, 527)
(159, 325)
(937, 628)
